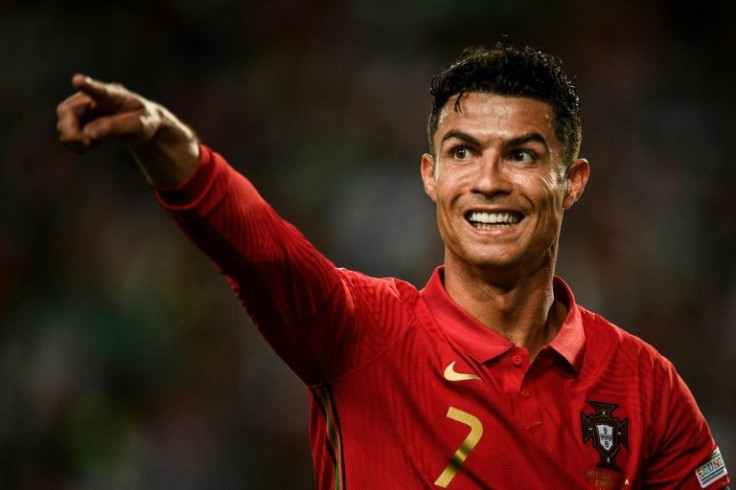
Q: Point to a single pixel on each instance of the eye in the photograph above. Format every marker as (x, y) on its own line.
(522, 156)
(461, 153)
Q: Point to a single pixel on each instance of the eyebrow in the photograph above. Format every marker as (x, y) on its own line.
(528, 138)
(462, 136)
(517, 141)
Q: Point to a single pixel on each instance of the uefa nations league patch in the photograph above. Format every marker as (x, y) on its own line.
(713, 469)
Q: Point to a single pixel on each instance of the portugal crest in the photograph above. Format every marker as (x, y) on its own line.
(607, 433)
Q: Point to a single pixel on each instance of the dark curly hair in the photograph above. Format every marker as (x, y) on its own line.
(513, 71)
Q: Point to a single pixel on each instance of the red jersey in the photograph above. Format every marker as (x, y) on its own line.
(409, 391)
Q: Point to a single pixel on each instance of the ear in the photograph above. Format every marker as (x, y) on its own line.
(428, 176)
(577, 178)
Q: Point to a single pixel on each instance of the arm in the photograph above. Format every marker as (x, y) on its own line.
(303, 305)
(686, 456)
(220, 211)
(166, 150)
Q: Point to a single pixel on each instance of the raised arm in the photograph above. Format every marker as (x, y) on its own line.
(166, 149)
(306, 308)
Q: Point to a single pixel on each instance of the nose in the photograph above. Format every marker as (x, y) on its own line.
(491, 177)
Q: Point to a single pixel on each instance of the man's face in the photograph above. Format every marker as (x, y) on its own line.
(499, 182)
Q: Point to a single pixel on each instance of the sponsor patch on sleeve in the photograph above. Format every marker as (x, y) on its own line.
(712, 470)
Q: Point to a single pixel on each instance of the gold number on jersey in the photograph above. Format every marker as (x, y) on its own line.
(457, 459)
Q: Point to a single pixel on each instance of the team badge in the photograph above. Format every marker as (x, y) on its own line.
(607, 432)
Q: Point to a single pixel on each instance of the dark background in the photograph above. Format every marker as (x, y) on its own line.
(125, 362)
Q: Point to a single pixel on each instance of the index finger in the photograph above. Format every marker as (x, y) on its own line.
(108, 96)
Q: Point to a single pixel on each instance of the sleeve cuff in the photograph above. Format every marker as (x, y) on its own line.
(186, 193)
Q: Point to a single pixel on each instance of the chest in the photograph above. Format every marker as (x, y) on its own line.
(428, 408)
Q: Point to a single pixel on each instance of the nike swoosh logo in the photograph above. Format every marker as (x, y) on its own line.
(452, 375)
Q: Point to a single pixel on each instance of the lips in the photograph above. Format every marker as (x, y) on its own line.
(488, 219)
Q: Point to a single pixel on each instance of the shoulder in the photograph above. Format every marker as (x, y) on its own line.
(607, 343)
(676, 438)
(603, 331)
(371, 289)
(379, 300)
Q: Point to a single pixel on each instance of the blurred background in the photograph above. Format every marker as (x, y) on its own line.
(125, 362)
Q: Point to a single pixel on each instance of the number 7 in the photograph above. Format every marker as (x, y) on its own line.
(457, 459)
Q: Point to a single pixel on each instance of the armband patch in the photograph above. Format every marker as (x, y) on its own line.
(712, 470)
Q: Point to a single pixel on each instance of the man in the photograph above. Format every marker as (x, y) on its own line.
(489, 377)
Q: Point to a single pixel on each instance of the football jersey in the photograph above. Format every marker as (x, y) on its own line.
(409, 391)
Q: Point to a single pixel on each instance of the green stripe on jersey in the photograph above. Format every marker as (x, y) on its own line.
(322, 392)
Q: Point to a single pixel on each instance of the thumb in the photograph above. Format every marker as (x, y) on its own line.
(131, 127)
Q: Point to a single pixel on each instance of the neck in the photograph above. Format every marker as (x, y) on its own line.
(523, 309)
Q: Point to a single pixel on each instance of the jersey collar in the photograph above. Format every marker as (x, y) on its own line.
(482, 343)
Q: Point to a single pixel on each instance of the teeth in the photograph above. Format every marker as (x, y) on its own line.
(478, 218)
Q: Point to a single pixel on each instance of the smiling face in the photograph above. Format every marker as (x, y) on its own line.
(499, 183)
